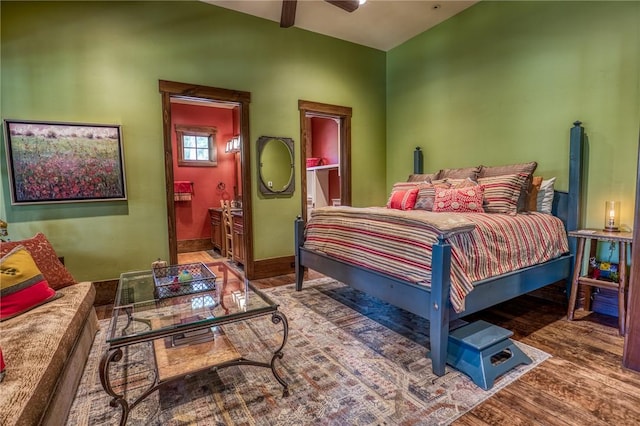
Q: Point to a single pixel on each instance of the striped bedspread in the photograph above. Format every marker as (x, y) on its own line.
(398, 243)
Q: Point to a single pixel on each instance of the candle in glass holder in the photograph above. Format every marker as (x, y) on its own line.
(612, 216)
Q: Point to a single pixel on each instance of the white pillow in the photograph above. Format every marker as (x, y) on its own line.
(545, 196)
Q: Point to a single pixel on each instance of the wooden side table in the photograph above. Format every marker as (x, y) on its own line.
(619, 238)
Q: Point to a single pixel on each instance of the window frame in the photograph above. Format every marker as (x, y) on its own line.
(209, 132)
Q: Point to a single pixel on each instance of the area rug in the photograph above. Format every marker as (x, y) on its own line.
(350, 359)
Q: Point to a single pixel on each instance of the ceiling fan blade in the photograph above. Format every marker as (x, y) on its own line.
(348, 5)
(288, 16)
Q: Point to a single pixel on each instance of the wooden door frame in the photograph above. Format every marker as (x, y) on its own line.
(172, 88)
(631, 355)
(344, 115)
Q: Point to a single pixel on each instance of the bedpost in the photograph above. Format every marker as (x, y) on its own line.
(418, 164)
(298, 235)
(576, 150)
(574, 199)
(439, 308)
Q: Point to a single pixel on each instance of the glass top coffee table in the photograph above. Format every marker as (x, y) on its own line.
(186, 314)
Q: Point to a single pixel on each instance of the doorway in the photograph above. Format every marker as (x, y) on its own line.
(178, 97)
(325, 132)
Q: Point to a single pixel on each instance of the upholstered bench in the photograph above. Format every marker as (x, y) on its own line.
(45, 348)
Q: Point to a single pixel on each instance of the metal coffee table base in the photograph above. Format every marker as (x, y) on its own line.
(114, 354)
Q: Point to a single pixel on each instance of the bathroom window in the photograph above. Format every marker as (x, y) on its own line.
(196, 146)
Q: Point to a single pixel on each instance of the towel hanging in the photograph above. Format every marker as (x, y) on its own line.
(182, 190)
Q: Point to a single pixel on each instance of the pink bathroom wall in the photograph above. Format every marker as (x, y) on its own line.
(192, 217)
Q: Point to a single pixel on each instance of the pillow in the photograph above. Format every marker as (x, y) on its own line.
(462, 173)
(532, 197)
(22, 286)
(545, 196)
(501, 193)
(403, 199)
(461, 183)
(427, 195)
(404, 186)
(45, 257)
(459, 200)
(428, 177)
(509, 169)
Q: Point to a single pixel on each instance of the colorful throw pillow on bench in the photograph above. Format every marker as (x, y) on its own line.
(22, 285)
(46, 259)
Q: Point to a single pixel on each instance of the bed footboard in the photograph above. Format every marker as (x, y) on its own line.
(430, 303)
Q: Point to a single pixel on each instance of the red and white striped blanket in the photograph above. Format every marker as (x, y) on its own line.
(398, 243)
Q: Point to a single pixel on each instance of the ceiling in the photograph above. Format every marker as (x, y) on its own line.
(380, 24)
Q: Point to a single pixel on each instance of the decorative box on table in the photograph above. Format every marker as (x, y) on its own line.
(179, 280)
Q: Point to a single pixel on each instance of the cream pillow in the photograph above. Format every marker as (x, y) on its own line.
(545, 196)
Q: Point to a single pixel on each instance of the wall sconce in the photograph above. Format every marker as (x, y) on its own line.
(612, 216)
(233, 145)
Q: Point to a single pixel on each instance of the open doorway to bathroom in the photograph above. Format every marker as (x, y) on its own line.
(206, 162)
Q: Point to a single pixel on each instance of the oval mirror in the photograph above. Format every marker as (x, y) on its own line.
(275, 165)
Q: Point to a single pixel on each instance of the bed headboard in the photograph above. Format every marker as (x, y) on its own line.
(566, 204)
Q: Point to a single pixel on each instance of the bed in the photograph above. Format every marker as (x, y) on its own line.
(434, 301)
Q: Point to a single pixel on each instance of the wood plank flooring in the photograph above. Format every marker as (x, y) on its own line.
(583, 383)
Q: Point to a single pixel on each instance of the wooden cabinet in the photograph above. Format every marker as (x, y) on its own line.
(216, 230)
(238, 239)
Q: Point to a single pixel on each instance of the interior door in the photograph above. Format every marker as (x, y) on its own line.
(169, 90)
(316, 177)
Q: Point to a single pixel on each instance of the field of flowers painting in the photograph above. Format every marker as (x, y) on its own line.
(65, 162)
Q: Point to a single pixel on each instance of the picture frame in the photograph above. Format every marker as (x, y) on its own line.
(56, 162)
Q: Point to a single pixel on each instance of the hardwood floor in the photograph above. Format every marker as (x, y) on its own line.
(583, 383)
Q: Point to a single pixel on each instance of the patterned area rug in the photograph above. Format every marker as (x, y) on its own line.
(350, 359)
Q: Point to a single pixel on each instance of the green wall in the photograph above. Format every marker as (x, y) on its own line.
(503, 81)
(100, 62)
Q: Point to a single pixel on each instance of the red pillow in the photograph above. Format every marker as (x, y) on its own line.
(459, 200)
(45, 257)
(403, 199)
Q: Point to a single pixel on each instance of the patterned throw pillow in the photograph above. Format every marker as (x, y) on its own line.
(510, 169)
(427, 195)
(22, 286)
(403, 199)
(501, 193)
(459, 200)
(427, 192)
(45, 257)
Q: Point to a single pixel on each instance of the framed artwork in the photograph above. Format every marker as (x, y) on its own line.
(51, 162)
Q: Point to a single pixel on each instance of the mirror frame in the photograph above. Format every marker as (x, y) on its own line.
(290, 186)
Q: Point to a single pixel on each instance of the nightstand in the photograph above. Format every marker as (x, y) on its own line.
(594, 235)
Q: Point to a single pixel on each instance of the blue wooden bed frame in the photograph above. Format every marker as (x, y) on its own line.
(433, 303)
